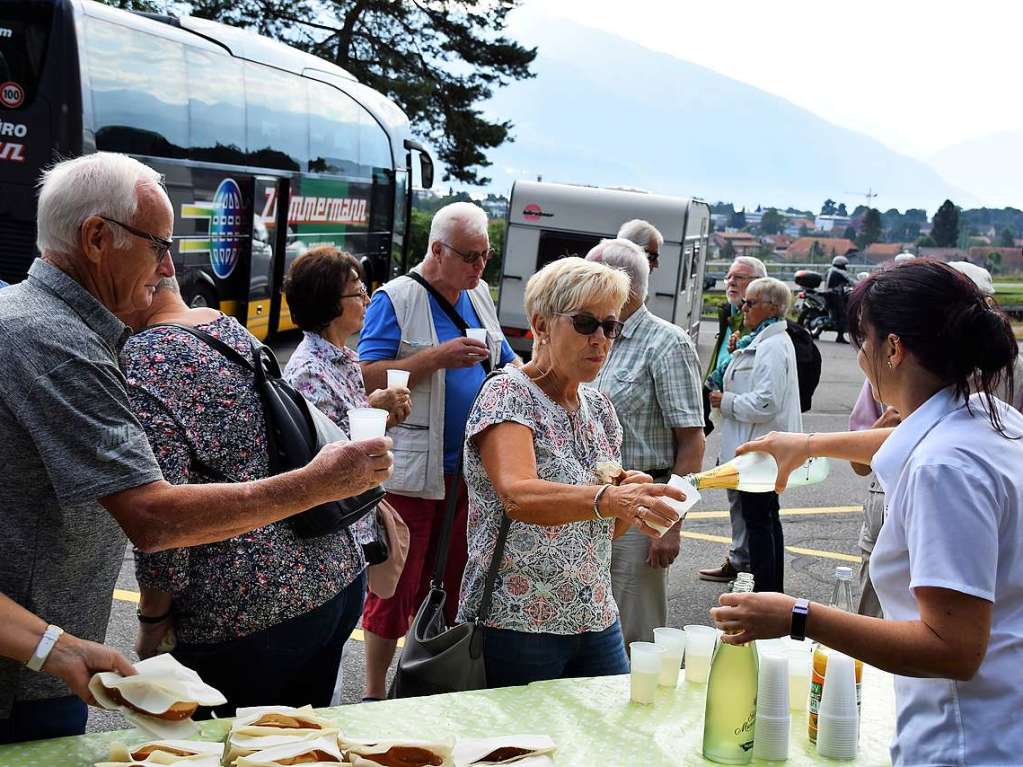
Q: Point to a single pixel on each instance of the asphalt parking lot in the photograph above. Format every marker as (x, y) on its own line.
(821, 526)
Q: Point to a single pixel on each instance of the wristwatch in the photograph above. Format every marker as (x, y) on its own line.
(799, 612)
(46, 643)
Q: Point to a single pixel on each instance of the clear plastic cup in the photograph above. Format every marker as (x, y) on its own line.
(366, 423)
(477, 334)
(771, 737)
(397, 379)
(838, 698)
(837, 737)
(673, 642)
(700, 641)
(645, 659)
(800, 663)
(680, 507)
(773, 685)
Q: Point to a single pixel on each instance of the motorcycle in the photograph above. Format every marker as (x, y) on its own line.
(812, 304)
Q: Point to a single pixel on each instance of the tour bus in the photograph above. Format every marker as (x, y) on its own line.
(266, 150)
(549, 221)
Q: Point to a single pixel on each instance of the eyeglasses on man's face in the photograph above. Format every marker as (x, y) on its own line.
(587, 324)
(738, 277)
(472, 256)
(162, 247)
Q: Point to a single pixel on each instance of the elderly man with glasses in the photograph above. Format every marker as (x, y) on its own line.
(741, 273)
(423, 322)
(647, 236)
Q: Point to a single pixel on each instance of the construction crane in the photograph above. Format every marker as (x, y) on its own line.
(869, 195)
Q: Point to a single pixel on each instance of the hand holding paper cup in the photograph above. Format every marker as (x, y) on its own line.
(366, 423)
(397, 379)
(477, 334)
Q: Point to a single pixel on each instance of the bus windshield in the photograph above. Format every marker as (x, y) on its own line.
(24, 31)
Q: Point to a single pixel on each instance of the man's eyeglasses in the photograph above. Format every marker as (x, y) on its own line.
(474, 256)
(363, 293)
(163, 247)
(587, 324)
(738, 277)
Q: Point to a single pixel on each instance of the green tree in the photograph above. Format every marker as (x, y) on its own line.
(828, 208)
(772, 222)
(738, 219)
(994, 262)
(841, 209)
(945, 226)
(727, 251)
(870, 229)
(816, 251)
(438, 59)
(849, 233)
(1006, 239)
(926, 242)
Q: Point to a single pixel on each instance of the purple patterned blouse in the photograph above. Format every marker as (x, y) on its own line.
(193, 402)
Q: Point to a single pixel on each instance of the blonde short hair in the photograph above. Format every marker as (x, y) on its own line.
(568, 284)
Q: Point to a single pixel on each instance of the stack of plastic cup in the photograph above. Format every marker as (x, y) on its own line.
(366, 423)
(700, 641)
(645, 658)
(673, 642)
(771, 734)
(397, 379)
(800, 662)
(838, 719)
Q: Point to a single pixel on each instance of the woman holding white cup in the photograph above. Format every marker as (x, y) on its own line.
(328, 302)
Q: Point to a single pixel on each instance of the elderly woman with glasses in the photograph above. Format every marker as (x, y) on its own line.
(537, 445)
(757, 390)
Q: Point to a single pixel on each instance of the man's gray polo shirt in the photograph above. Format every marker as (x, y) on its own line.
(67, 439)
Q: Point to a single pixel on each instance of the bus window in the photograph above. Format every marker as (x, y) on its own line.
(24, 31)
(216, 107)
(374, 148)
(276, 121)
(333, 130)
(139, 90)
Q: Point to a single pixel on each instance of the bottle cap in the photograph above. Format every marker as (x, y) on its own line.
(844, 573)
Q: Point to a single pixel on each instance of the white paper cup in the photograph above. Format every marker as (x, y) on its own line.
(700, 641)
(773, 685)
(366, 423)
(645, 660)
(477, 334)
(673, 642)
(397, 379)
(771, 737)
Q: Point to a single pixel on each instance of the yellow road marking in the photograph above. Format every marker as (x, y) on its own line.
(793, 549)
(133, 596)
(802, 512)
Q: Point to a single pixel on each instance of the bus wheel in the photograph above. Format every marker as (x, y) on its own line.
(199, 296)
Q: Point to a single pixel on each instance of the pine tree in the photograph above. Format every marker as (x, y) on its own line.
(870, 229)
(945, 225)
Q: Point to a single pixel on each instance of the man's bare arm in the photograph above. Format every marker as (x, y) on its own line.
(159, 515)
(456, 353)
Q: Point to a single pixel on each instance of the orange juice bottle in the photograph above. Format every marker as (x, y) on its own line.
(841, 598)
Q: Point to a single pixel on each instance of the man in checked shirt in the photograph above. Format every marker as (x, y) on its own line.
(652, 376)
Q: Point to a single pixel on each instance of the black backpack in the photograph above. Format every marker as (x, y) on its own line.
(292, 437)
(808, 362)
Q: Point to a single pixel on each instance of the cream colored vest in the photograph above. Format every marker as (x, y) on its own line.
(419, 441)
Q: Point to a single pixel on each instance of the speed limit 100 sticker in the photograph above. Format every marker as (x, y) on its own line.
(11, 95)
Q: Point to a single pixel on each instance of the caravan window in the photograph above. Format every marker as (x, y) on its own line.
(555, 245)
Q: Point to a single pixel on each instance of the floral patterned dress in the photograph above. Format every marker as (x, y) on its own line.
(328, 376)
(551, 579)
(198, 408)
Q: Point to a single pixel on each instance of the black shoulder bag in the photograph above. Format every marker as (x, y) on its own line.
(438, 659)
(291, 436)
(449, 310)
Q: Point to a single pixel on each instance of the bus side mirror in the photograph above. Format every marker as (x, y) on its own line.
(426, 169)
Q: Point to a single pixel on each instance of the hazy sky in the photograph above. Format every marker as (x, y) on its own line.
(918, 76)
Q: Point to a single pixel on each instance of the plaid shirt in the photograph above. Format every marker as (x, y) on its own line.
(652, 377)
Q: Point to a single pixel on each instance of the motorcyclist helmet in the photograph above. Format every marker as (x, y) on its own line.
(839, 262)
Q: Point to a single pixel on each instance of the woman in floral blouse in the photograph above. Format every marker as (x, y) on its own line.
(328, 302)
(534, 440)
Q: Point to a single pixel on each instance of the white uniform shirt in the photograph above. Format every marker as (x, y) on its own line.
(955, 495)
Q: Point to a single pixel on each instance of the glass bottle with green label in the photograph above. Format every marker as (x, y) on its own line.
(732, 698)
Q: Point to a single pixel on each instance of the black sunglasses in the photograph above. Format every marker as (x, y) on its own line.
(587, 324)
(472, 258)
(163, 247)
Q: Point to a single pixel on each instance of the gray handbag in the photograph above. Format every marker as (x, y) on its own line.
(437, 658)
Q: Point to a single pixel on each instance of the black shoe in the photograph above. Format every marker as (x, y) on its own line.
(723, 574)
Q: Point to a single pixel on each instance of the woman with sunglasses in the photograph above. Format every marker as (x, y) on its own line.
(535, 442)
(948, 562)
(757, 390)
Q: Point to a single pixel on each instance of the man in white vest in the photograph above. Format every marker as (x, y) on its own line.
(421, 322)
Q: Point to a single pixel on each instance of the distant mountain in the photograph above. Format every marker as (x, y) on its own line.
(992, 166)
(603, 110)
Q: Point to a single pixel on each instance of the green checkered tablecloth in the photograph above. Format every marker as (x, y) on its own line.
(591, 720)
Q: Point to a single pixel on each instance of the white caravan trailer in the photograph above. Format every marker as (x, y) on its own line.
(549, 221)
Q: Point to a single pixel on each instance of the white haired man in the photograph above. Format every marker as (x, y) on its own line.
(652, 377)
(77, 467)
(646, 235)
(419, 323)
(744, 269)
